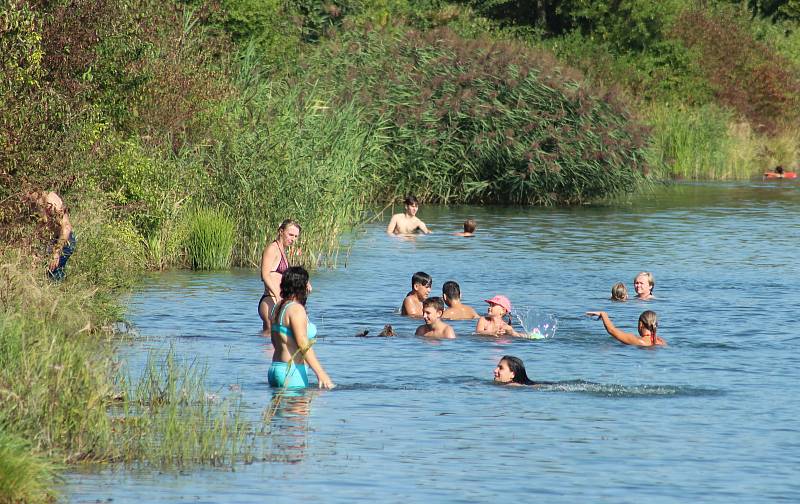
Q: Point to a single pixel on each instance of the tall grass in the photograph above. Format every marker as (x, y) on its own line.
(210, 239)
(24, 475)
(292, 152)
(708, 143)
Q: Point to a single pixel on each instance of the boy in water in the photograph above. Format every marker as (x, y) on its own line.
(493, 323)
(408, 222)
(619, 292)
(421, 283)
(469, 228)
(456, 310)
(432, 309)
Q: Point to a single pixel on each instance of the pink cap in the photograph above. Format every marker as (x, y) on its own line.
(501, 301)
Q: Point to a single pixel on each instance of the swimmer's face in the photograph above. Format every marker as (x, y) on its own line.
(412, 210)
(502, 373)
(423, 290)
(642, 286)
(430, 314)
(290, 234)
(495, 310)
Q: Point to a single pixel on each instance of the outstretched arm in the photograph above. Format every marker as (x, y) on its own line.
(619, 335)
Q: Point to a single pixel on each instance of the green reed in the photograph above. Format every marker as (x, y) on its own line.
(291, 152)
(24, 475)
(707, 143)
(210, 239)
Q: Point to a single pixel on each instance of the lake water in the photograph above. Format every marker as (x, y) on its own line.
(711, 418)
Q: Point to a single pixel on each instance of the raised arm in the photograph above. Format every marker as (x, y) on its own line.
(298, 321)
(619, 335)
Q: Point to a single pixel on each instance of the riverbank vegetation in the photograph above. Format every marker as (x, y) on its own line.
(181, 133)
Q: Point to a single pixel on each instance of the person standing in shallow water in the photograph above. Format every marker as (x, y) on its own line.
(54, 216)
(274, 263)
(408, 222)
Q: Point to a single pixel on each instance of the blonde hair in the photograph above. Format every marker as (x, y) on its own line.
(649, 320)
(619, 292)
(649, 277)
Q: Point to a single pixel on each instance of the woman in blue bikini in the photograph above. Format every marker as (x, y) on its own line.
(293, 335)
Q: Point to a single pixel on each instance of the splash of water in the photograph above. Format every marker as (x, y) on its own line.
(535, 324)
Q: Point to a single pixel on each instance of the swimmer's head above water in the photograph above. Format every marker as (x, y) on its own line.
(511, 370)
(619, 292)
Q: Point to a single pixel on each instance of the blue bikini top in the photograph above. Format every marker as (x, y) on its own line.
(311, 328)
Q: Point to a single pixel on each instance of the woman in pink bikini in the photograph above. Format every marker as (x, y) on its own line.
(274, 262)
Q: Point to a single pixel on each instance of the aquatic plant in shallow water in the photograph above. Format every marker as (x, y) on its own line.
(209, 243)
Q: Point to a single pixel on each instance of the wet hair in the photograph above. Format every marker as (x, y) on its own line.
(470, 225)
(619, 292)
(436, 302)
(516, 366)
(420, 277)
(290, 222)
(650, 279)
(779, 170)
(649, 320)
(411, 200)
(451, 290)
(294, 284)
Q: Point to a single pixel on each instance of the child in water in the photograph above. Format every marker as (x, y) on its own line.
(432, 309)
(648, 325)
(456, 310)
(421, 283)
(619, 292)
(469, 228)
(493, 323)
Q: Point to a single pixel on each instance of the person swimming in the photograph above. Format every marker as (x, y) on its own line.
(456, 310)
(434, 326)
(511, 371)
(421, 284)
(469, 228)
(619, 292)
(493, 323)
(643, 284)
(293, 335)
(647, 327)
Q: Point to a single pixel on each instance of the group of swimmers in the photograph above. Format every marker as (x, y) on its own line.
(286, 288)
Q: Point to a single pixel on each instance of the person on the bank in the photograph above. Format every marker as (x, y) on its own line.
(274, 263)
(408, 222)
(293, 335)
(55, 218)
(648, 325)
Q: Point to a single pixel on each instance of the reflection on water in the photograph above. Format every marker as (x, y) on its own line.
(713, 416)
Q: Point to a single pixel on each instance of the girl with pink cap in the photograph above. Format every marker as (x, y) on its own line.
(493, 323)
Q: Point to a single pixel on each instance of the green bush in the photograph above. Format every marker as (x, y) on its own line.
(24, 476)
(209, 240)
(482, 120)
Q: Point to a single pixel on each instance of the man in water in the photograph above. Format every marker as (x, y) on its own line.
(408, 222)
(54, 216)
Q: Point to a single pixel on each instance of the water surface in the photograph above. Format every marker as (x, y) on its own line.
(711, 418)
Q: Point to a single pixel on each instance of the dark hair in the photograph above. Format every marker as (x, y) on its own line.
(411, 200)
(294, 285)
(779, 170)
(436, 302)
(649, 320)
(516, 366)
(290, 222)
(451, 290)
(469, 225)
(420, 277)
